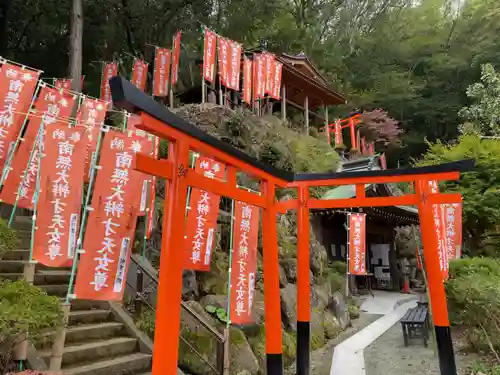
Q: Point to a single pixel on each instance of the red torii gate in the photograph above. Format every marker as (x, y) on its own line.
(184, 137)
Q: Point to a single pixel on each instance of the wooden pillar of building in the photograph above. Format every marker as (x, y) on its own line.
(283, 102)
(306, 115)
(327, 129)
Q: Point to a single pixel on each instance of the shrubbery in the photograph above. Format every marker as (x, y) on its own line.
(8, 238)
(24, 310)
(474, 300)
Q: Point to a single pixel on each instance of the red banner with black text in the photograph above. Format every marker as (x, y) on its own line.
(61, 189)
(201, 224)
(244, 262)
(357, 244)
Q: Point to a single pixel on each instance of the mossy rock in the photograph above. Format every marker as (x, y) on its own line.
(353, 311)
(331, 325)
(215, 280)
(317, 329)
(241, 355)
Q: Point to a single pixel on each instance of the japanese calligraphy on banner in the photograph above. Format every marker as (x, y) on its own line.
(439, 227)
(109, 70)
(258, 77)
(247, 80)
(144, 145)
(61, 189)
(244, 262)
(139, 74)
(269, 67)
(63, 83)
(53, 105)
(92, 112)
(357, 244)
(338, 134)
(224, 60)
(111, 223)
(453, 229)
(176, 54)
(277, 72)
(235, 66)
(162, 71)
(91, 135)
(209, 55)
(17, 86)
(202, 218)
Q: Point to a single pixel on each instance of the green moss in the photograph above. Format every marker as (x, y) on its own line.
(8, 238)
(289, 347)
(331, 325)
(204, 344)
(215, 281)
(258, 345)
(353, 311)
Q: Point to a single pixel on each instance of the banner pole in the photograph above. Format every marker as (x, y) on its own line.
(79, 243)
(10, 154)
(25, 174)
(348, 249)
(230, 269)
(40, 139)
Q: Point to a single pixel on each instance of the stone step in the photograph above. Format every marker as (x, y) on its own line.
(19, 254)
(42, 277)
(83, 304)
(59, 290)
(88, 316)
(17, 266)
(85, 332)
(102, 349)
(124, 365)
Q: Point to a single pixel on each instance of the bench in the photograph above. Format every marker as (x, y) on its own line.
(415, 324)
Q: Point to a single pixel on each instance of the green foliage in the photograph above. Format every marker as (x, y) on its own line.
(487, 369)
(24, 310)
(353, 310)
(485, 110)
(146, 322)
(473, 292)
(480, 188)
(8, 238)
(337, 281)
(217, 312)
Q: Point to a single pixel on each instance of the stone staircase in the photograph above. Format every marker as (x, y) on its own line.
(98, 342)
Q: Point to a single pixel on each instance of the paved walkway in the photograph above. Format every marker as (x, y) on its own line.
(348, 357)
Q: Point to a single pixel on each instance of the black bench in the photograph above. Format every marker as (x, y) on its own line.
(415, 325)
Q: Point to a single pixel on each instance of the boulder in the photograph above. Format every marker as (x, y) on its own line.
(290, 268)
(283, 278)
(219, 301)
(338, 306)
(317, 329)
(289, 306)
(319, 296)
(189, 285)
(318, 257)
(243, 360)
(331, 325)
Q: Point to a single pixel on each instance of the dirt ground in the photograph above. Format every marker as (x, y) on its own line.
(321, 359)
(388, 356)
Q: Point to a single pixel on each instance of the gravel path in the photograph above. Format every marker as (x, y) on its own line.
(321, 359)
(388, 356)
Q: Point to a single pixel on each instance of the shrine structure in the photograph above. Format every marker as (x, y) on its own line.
(184, 137)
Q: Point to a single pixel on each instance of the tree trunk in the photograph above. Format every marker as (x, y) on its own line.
(4, 11)
(75, 58)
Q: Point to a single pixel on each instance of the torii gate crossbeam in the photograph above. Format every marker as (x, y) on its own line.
(184, 137)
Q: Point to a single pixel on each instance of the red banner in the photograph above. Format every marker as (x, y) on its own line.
(357, 244)
(224, 60)
(110, 70)
(277, 72)
(139, 74)
(53, 106)
(244, 262)
(371, 148)
(162, 71)
(439, 227)
(209, 55)
(258, 77)
(383, 161)
(91, 135)
(234, 71)
(269, 67)
(176, 54)
(61, 189)
(63, 83)
(17, 86)
(152, 193)
(247, 80)
(364, 149)
(92, 112)
(338, 134)
(202, 216)
(111, 224)
(144, 144)
(453, 229)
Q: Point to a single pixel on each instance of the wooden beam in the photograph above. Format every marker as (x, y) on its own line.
(295, 105)
(283, 103)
